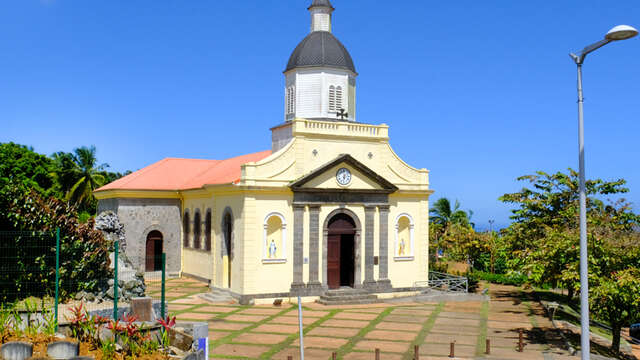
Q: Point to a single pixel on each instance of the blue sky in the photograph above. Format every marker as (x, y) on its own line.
(478, 92)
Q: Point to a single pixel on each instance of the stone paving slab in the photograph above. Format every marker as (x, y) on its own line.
(252, 351)
(458, 322)
(385, 346)
(255, 338)
(215, 335)
(293, 320)
(179, 307)
(391, 335)
(259, 311)
(355, 316)
(321, 342)
(449, 338)
(197, 316)
(225, 325)
(411, 312)
(307, 313)
(277, 328)
(398, 326)
(454, 329)
(334, 332)
(358, 355)
(406, 318)
(459, 315)
(215, 309)
(246, 318)
(505, 353)
(310, 354)
(346, 323)
(193, 300)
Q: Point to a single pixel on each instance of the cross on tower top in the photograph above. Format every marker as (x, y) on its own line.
(342, 114)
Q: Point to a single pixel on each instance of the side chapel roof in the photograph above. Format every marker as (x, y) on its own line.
(172, 174)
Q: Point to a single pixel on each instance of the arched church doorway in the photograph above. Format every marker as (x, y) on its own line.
(228, 236)
(341, 251)
(154, 251)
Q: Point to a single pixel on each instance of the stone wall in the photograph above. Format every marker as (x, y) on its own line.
(140, 217)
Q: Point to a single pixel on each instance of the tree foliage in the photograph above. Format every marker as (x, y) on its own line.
(544, 240)
(84, 253)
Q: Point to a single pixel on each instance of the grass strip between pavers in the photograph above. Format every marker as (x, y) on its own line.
(235, 333)
(426, 328)
(291, 338)
(218, 315)
(482, 336)
(346, 348)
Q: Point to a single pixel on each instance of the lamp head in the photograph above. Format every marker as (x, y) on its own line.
(621, 32)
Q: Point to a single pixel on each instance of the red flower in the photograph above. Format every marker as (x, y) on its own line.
(167, 323)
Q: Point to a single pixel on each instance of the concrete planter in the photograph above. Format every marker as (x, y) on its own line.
(16, 350)
(62, 350)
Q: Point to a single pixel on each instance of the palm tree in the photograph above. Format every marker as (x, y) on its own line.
(446, 217)
(86, 175)
(442, 213)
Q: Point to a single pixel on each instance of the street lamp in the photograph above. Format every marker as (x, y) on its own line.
(620, 32)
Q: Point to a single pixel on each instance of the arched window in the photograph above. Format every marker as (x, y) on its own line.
(274, 239)
(186, 228)
(197, 230)
(332, 99)
(404, 242)
(207, 230)
(339, 98)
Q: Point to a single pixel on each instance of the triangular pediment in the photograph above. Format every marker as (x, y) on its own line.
(325, 178)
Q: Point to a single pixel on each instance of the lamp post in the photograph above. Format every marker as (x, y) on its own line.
(620, 32)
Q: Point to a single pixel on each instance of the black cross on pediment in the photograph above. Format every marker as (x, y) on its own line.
(342, 114)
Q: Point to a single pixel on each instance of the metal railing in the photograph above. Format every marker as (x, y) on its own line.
(447, 282)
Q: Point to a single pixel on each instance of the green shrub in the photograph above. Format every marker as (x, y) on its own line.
(505, 279)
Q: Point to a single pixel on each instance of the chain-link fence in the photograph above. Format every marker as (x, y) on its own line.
(38, 273)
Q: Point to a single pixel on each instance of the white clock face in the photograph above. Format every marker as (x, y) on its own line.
(343, 176)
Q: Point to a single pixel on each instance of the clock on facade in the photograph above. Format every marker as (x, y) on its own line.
(343, 176)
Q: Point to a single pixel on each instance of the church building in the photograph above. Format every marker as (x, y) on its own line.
(329, 206)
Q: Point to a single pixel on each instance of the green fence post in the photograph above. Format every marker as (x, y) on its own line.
(115, 280)
(57, 275)
(162, 293)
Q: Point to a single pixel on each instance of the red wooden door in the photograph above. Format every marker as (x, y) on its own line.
(333, 261)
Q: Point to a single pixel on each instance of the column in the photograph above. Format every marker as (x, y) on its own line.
(298, 246)
(369, 213)
(383, 248)
(314, 246)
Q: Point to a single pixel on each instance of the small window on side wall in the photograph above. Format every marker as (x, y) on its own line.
(197, 230)
(207, 229)
(186, 229)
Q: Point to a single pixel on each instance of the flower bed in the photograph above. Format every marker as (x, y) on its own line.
(98, 337)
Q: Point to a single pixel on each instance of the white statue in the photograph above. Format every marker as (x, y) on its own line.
(401, 247)
(272, 249)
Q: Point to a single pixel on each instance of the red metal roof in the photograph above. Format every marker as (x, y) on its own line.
(185, 174)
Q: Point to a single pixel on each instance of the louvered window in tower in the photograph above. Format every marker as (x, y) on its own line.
(293, 99)
(332, 98)
(288, 101)
(339, 98)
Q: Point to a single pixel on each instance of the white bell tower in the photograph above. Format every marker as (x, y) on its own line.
(320, 78)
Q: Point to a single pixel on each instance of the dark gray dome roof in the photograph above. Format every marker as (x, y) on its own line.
(326, 3)
(320, 48)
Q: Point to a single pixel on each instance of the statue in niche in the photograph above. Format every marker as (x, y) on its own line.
(401, 247)
(272, 250)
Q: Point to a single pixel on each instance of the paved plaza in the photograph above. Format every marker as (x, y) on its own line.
(354, 332)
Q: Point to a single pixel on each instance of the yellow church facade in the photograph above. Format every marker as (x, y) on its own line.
(330, 207)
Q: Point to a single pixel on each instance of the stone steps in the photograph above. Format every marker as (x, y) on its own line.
(218, 296)
(346, 296)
